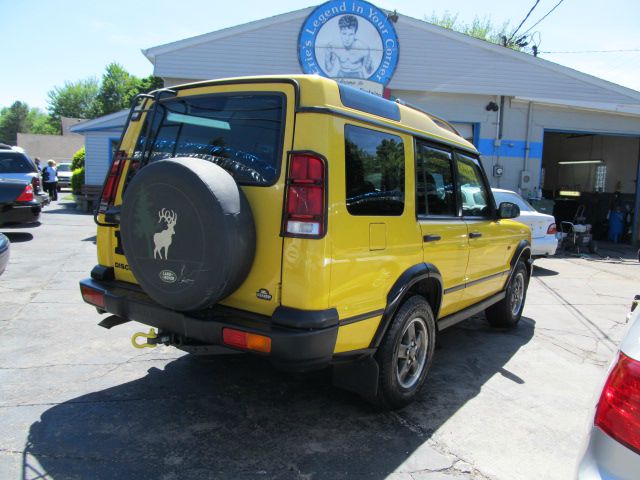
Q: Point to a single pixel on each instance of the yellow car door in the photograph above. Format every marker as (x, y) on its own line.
(444, 232)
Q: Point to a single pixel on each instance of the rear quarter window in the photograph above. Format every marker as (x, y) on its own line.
(374, 166)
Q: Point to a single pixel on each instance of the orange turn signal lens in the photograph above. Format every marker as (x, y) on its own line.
(246, 341)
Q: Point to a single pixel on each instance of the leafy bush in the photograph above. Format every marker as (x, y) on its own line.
(78, 160)
(77, 180)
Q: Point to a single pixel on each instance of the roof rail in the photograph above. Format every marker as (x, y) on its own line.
(437, 120)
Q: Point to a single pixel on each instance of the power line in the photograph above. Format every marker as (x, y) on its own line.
(548, 13)
(522, 22)
(594, 51)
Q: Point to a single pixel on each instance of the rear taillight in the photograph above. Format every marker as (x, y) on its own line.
(26, 195)
(246, 340)
(552, 229)
(618, 412)
(305, 201)
(111, 184)
(92, 296)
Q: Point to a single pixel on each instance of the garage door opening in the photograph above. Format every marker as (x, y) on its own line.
(595, 174)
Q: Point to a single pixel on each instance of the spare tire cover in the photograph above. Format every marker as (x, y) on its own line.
(187, 232)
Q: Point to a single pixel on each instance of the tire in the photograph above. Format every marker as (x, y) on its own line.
(507, 312)
(187, 232)
(400, 379)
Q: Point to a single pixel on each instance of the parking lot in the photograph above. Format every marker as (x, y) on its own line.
(78, 401)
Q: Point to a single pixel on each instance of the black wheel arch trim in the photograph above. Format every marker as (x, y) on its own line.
(398, 293)
(523, 248)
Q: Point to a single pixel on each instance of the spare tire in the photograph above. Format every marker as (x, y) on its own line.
(187, 232)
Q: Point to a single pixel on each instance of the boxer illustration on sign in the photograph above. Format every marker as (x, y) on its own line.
(351, 58)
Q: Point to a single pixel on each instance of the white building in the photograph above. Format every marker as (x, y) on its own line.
(524, 114)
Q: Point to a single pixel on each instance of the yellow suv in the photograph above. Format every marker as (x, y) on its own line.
(306, 221)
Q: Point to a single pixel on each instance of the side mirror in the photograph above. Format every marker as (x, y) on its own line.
(508, 210)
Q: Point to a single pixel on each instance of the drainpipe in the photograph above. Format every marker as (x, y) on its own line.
(527, 145)
(498, 141)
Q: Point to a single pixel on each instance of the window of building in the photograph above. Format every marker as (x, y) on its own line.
(435, 190)
(374, 165)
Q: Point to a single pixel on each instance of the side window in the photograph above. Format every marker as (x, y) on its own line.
(435, 193)
(473, 192)
(374, 166)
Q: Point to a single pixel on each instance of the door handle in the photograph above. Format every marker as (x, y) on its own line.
(475, 235)
(431, 238)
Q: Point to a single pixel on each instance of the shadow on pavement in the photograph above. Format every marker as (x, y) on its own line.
(236, 417)
(66, 207)
(543, 272)
(18, 237)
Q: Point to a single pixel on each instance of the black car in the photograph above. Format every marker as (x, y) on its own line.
(16, 164)
(18, 203)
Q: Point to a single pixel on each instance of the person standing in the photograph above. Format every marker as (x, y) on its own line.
(38, 166)
(50, 180)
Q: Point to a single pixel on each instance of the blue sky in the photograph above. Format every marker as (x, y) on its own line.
(46, 43)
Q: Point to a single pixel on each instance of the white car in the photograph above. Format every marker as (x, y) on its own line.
(543, 226)
(612, 447)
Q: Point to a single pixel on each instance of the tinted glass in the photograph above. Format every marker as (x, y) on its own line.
(14, 162)
(374, 171)
(435, 192)
(472, 190)
(242, 133)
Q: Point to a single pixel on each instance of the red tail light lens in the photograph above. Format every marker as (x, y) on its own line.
(246, 340)
(92, 297)
(26, 195)
(618, 412)
(305, 206)
(111, 183)
(552, 229)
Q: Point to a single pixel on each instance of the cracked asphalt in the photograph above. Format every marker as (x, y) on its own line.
(77, 401)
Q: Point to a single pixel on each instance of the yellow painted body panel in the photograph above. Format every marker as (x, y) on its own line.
(356, 336)
(450, 255)
(362, 273)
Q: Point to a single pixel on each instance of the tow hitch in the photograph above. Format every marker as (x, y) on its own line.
(152, 339)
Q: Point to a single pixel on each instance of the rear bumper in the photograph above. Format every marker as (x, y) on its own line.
(11, 214)
(543, 246)
(292, 348)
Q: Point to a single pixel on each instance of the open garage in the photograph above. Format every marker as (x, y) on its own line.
(592, 177)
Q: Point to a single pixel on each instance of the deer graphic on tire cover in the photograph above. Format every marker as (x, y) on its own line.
(162, 240)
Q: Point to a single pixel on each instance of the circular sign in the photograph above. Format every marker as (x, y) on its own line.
(349, 39)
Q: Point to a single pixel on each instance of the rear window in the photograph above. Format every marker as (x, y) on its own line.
(243, 133)
(63, 167)
(13, 162)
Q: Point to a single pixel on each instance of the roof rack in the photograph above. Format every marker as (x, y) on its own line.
(437, 120)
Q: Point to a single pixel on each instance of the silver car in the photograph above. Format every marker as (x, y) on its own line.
(612, 449)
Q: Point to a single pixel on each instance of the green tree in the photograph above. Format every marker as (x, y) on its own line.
(14, 120)
(149, 83)
(481, 28)
(74, 99)
(78, 159)
(117, 89)
(42, 123)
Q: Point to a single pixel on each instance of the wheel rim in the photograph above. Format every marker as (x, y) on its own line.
(411, 352)
(517, 293)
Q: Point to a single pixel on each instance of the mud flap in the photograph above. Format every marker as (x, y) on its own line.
(360, 376)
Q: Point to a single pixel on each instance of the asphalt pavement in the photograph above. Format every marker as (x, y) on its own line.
(78, 401)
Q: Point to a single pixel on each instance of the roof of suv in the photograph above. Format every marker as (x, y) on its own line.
(316, 92)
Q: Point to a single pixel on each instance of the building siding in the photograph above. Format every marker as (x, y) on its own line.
(98, 155)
